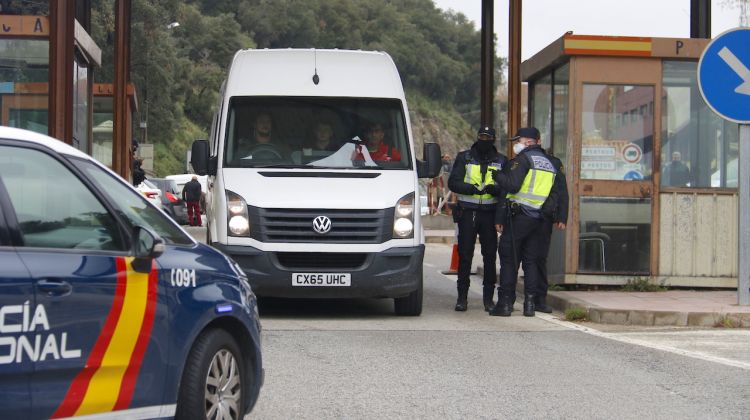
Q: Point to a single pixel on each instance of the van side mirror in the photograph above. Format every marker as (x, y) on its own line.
(430, 166)
(199, 157)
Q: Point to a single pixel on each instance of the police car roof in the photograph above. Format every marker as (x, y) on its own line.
(41, 139)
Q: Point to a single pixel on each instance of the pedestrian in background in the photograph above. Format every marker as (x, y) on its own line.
(138, 173)
(472, 180)
(526, 219)
(191, 193)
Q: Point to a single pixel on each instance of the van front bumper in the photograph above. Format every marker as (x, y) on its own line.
(392, 273)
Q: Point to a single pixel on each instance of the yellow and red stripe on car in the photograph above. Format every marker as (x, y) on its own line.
(107, 381)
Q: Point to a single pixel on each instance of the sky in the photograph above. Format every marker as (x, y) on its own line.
(547, 20)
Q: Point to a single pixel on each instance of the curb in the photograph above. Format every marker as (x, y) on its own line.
(654, 318)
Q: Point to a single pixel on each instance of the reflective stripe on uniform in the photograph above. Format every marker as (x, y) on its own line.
(473, 176)
(537, 184)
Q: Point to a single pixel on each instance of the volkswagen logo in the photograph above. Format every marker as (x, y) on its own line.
(321, 224)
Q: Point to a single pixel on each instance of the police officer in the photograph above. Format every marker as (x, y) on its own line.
(529, 179)
(472, 180)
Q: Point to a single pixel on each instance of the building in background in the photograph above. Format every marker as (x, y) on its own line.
(47, 65)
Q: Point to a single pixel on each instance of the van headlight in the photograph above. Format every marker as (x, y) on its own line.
(238, 222)
(403, 218)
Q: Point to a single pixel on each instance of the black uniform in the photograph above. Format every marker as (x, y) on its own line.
(476, 218)
(526, 233)
(559, 196)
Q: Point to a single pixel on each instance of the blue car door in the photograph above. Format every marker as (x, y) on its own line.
(96, 312)
(16, 302)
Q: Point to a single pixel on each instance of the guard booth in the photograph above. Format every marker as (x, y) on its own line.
(651, 170)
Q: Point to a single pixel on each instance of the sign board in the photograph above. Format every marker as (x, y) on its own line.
(724, 75)
(632, 153)
(724, 81)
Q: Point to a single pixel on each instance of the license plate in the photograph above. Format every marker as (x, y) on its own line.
(321, 279)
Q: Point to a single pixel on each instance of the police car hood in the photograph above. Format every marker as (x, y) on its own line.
(319, 189)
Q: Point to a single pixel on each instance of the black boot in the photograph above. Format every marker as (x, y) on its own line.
(528, 305)
(540, 304)
(503, 308)
(462, 301)
(487, 294)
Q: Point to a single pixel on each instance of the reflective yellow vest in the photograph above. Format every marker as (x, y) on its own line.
(474, 176)
(538, 181)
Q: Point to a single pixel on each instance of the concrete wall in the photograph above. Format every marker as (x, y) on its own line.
(698, 242)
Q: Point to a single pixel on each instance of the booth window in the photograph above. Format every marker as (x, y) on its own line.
(24, 83)
(560, 112)
(81, 112)
(699, 148)
(618, 132)
(542, 108)
(549, 110)
(614, 235)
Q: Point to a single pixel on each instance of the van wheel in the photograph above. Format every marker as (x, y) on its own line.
(410, 305)
(208, 234)
(212, 383)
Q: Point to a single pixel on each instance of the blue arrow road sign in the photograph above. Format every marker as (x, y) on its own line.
(724, 75)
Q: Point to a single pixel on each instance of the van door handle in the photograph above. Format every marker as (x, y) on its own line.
(54, 287)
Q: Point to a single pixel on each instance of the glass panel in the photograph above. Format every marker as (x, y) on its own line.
(133, 206)
(618, 128)
(699, 148)
(24, 78)
(560, 112)
(542, 108)
(102, 131)
(316, 132)
(80, 105)
(615, 235)
(54, 208)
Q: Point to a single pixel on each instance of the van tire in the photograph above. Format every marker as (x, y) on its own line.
(410, 305)
(207, 351)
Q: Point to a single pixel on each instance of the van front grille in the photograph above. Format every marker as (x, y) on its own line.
(296, 225)
(321, 260)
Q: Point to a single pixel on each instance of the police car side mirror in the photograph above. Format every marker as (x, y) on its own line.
(148, 245)
(430, 166)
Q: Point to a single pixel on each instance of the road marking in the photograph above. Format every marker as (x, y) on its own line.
(643, 343)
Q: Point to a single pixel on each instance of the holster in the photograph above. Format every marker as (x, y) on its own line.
(457, 212)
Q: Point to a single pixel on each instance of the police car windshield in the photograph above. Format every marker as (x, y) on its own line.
(316, 132)
(131, 206)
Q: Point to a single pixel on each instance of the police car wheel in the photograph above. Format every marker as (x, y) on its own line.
(410, 305)
(212, 383)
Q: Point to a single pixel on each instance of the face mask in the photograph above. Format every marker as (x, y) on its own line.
(484, 146)
(518, 148)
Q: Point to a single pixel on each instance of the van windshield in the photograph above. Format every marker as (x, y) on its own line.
(313, 132)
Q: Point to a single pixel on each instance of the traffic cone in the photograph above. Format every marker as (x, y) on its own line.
(454, 262)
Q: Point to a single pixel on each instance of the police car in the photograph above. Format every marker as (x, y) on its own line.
(107, 307)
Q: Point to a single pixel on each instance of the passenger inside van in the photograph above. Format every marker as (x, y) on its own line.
(377, 146)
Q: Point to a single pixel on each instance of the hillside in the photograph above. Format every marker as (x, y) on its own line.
(177, 71)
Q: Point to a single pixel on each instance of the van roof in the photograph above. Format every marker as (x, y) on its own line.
(289, 72)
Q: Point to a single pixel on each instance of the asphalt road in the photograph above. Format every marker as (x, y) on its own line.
(353, 359)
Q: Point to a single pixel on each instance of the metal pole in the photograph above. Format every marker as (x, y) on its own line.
(514, 68)
(743, 279)
(700, 18)
(488, 63)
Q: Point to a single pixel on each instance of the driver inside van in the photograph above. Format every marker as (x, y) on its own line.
(262, 145)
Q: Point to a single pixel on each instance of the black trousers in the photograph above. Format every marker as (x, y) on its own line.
(528, 240)
(543, 284)
(471, 224)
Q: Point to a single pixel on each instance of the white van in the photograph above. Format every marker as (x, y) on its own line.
(303, 219)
